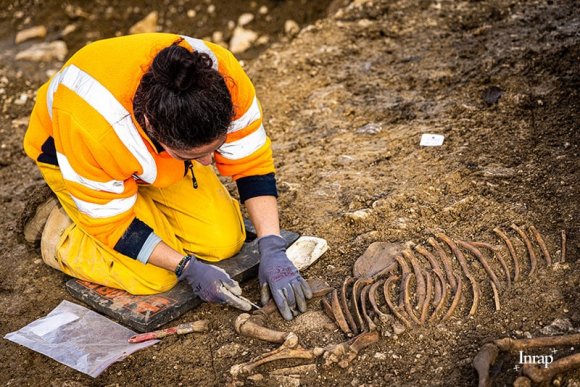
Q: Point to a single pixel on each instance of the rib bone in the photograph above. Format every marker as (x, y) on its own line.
(372, 298)
(542, 244)
(344, 305)
(339, 315)
(446, 262)
(392, 307)
(443, 297)
(455, 301)
(418, 271)
(427, 302)
(407, 299)
(532, 255)
(503, 236)
(497, 253)
(475, 251)
(436, 269)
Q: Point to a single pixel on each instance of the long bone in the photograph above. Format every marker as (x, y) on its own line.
(436, 269)
(344, 305)
(420, 280)
(503, 236)
(290, 349)
(541, 243)
(508, 344)
(483, 361)
(245, 326)
(541, 375)
(443, 299)
(475, 251)
(446, 262)
(428, 295)
(392, 307)
(531, 254)
(497, 253)
(463, 263)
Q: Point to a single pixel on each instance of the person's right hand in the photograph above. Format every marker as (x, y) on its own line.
(212, 284)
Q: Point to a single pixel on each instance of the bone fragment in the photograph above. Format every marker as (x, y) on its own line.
(495, 295)
(363, 302)
(542, 244)
(427, 302)
(446, 262)
(531, 254)
(456, 299)
(503, 236)
(407, 299)
(443, 299)
(497, 253)
(563, 253)
(484, 359)
(436, 269)
(290, 349)
(345, 352)
(344, 305)
(392, 307)
(418, 271)
(338, 314)
(245, 326)
(372, 298)
(475, 251)
(508, 344)
(328, 310)
(540, 374)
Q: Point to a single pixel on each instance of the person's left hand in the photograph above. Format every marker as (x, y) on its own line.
(279, 277)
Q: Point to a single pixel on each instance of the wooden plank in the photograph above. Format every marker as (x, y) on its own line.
(146, 313)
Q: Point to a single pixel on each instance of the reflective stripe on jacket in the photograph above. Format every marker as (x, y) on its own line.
(83, 122)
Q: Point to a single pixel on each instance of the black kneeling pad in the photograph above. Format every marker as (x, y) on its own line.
(146, 313)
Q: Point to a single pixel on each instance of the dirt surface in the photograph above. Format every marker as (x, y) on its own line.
(346, 102)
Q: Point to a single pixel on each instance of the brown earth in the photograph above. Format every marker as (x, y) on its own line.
(346, 102)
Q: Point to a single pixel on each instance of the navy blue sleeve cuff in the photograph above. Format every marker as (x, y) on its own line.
(260, 185)
(133, 239)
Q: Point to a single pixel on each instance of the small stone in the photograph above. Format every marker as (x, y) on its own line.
(147, 24)
(491, 95)
(345, 160)
(30, 33)
(68, 29)
(245, 18)
(256, 378)
(291, 28)
(242, 39)
(211, 9)
(44, 52)
(217, 36)
(398, 328)
(371, 128)
(263, 10)
(359, 215)
(380, 356)
(191, 13)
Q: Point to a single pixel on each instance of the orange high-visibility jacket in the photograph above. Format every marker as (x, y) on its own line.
(83, 122)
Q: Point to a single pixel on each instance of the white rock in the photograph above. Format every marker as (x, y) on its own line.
(245, 18)
(264, 39)
(191, 13)
(242, 39)
(372, 128)
(263, 10)
(359, 215)
(217, 36)
(291, 28)
(44, 52)
(306, 250)
(147, 24)
(30, 33)
(380, 356)
(211, 9)
(68, 29)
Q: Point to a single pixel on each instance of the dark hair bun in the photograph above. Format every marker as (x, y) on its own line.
(178, 69)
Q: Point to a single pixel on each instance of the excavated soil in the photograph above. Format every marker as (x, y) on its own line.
(346, 102)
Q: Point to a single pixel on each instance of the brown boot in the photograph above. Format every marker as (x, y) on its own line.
(33, 218)
(56, 224)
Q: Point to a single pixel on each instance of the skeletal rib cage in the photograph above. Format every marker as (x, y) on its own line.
(422, 285)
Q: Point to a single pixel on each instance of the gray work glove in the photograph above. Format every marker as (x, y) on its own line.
(279, 277)
(212, 284)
